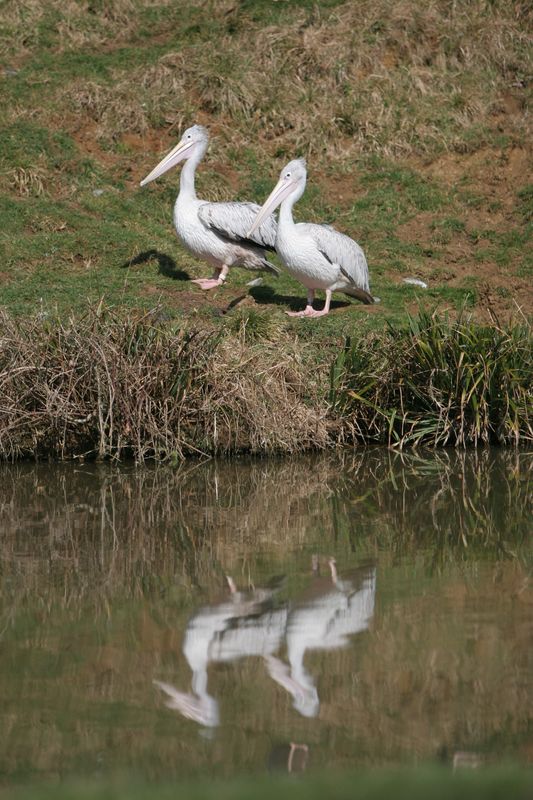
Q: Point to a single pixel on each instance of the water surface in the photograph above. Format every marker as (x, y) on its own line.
(364, 609)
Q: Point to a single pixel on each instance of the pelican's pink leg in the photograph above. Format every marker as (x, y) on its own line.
(219, 276)
(325, 310)
(309, 311)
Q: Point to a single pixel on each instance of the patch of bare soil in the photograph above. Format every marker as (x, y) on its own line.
(219, 301)
(463, 257)
(495, 174)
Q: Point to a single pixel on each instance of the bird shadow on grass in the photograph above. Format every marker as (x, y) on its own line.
(166, 264)
(264, 295)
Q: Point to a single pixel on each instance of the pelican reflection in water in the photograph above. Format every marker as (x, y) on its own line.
(245, 624)
(251, 624)
(324, 618)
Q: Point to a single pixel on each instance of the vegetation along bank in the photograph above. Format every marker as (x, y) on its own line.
(413, 118)
(107, 386)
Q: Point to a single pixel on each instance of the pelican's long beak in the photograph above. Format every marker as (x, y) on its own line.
(181, 151)
(282, 190)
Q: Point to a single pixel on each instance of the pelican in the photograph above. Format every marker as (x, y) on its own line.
(316, 255)
(215, 232)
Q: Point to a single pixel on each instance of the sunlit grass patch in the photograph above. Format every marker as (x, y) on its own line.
(95, 93)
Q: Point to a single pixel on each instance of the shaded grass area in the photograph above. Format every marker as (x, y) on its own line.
(108, 386)
(490, 784)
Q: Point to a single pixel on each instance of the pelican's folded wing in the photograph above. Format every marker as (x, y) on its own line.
(234, 220)
(340, 249)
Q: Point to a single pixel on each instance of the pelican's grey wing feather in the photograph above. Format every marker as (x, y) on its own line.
(234, 220)
(343, 251)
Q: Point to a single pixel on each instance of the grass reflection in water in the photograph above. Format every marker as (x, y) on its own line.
(104, 570)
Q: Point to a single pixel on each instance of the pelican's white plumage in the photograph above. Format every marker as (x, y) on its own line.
(215, 232)
(316, 255)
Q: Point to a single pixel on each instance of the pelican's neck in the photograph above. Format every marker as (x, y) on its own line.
(286, 222)
(187, 189)
(199, 682)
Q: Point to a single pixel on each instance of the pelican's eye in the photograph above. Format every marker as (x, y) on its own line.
(189, 136)
(287, 174)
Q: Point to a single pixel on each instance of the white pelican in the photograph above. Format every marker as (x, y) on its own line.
(316, 255)
(215, 232)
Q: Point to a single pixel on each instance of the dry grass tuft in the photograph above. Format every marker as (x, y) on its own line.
(27, 182)
(255, 400)
(112, 108)
(108, 387)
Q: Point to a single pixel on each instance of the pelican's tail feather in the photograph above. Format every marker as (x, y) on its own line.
(360, 294)
(268, 267)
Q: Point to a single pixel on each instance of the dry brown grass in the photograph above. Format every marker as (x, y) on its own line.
(367, 77)
(75, 23)
(27, 181)
(109, 387)
(103, 386)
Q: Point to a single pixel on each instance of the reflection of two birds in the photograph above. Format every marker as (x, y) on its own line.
(251, 624)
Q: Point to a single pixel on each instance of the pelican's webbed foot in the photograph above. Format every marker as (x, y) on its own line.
(207, 283)
(218, 279)
(308, 311)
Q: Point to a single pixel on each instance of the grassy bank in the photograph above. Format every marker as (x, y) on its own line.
(107, 386)
(414, 120)
(492, 784)
(413, 117)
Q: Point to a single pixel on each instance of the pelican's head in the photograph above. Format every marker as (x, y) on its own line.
(193, 142)
(291, 182)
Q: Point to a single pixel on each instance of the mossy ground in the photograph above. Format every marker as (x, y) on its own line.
(413, 118)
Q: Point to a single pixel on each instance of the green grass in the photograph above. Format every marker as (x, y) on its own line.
(437, 783)
(438, 383)
(64, 252)
(370, 104)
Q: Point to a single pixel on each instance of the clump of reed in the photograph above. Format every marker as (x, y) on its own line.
(108, 387)
(104, 386)
(440, 382)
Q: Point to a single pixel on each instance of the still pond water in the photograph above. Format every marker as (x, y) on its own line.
(365, 609)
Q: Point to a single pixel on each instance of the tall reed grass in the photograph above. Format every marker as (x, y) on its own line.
(104, 386)
(107, 387)
(440, 382)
